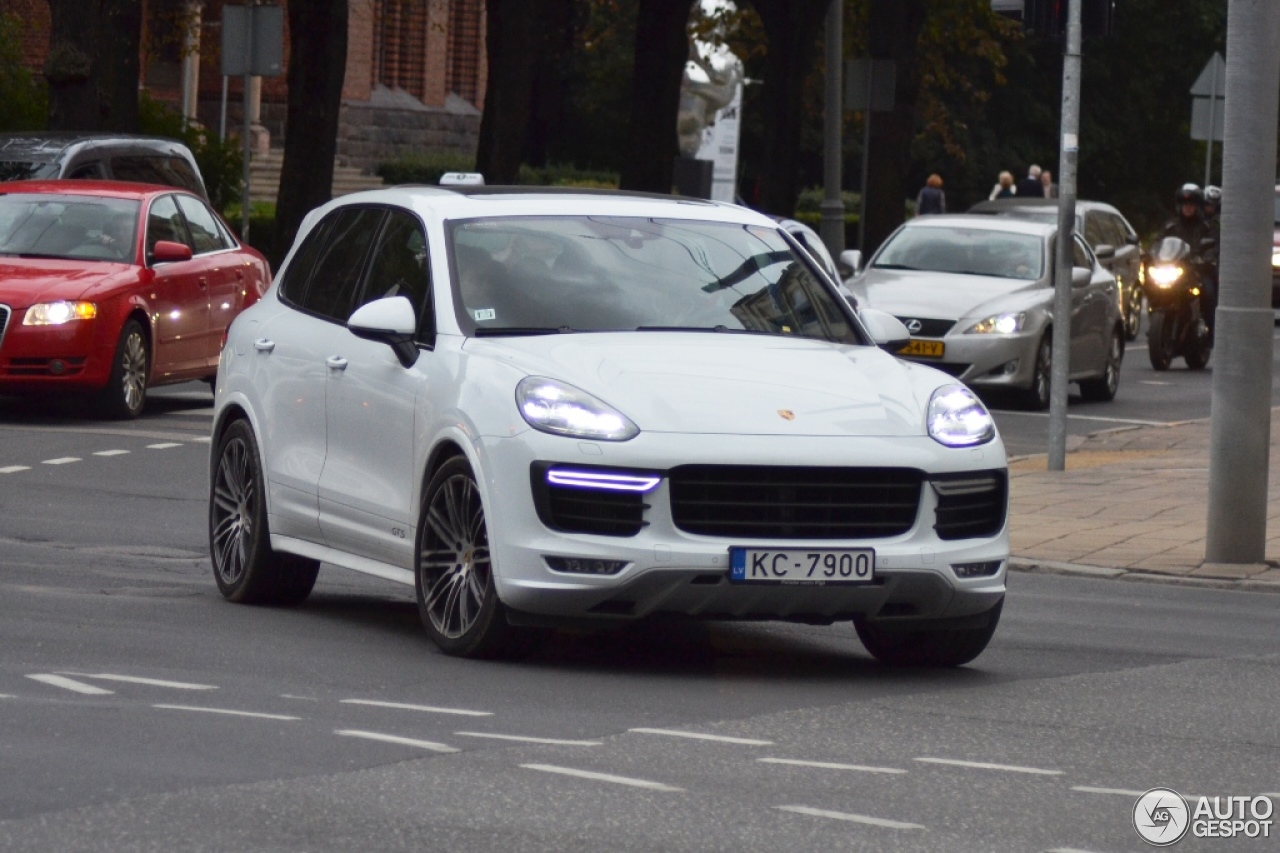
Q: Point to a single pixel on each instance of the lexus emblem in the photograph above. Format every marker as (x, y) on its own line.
(786, 414)
(914, 326)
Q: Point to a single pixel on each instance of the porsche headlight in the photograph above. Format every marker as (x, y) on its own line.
(558, 408)
(957, 418)
(57, 313)
(1165, 276)
(1000, 324)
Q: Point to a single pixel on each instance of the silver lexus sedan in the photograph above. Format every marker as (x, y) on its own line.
(976, 293)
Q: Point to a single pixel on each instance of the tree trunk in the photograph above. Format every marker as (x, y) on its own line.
(92, 68)
(517, 33)
(894, 31)
(792, 27)
(661, 50)
(317, 65)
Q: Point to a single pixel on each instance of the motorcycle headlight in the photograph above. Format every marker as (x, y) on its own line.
(57, 313)
(957, 418)
(559, 408)
(1275, 258)
(1000, 324)
(1165, 276)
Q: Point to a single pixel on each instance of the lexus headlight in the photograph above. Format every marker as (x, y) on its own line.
(1165, 276)
(1000, 324)
(57, 313)
(957, 418)
(556, 407)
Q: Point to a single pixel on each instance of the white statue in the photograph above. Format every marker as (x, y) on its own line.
(700, 100)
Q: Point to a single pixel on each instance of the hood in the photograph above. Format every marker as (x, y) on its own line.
(25, 282)
(944, 296)
(704, 382)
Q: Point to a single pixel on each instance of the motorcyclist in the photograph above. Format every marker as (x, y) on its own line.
(1189, 224)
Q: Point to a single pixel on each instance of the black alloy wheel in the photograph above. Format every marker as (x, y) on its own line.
(1133, 312)
(1036, 396)
(1103, 388)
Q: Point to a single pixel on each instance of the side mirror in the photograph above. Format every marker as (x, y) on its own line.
(390, 321)
(1081, 276)
(851, 258)
(1104, 251)
(886, 330)
(167, 251)
(1132, 240)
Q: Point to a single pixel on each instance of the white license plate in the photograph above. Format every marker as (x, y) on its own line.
(802, 565)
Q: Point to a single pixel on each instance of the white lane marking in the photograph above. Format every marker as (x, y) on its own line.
(829, 765)
(6, 696)
(602, 777)
(110, 452)
(204, 439)
(401, 741)
(1153, 382)
(68, 684)
(523, 739)
(133, 679)
(430, 709)
(1118, 791)
(852, 818)
(225, 711)
(164, 445)
(303, 698)
(13, 469)
(61, 460)
(1067, 850)
(700, 736)
(982, 765)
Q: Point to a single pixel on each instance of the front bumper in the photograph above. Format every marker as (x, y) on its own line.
(43, 359)
(989, 361)
(668, 570)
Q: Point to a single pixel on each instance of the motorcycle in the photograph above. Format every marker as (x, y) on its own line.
(1174, 279)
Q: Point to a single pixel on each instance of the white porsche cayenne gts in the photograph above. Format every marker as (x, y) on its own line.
(539, 406)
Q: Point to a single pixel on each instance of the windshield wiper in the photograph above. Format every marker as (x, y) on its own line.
(720, 328)
(498, 331)
(37, 256)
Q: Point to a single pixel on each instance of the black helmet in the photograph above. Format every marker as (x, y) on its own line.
(1189, 194)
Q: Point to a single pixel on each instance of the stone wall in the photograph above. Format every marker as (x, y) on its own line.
(371, 134)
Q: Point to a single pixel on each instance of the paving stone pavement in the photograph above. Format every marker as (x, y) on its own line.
(1132, 504)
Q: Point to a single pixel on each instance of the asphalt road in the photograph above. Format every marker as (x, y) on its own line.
(140, 711)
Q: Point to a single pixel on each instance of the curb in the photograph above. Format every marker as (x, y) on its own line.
(1047, 567)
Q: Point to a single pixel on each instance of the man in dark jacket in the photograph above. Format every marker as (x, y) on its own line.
(1189, 225)
(1030, 186)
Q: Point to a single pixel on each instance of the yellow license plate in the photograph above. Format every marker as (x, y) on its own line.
(928, 349)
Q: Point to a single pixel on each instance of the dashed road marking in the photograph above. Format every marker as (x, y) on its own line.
(7, 696)
(699, 736)
(228, 711)
(829, 765)
(1068, 850)
(524, 739)
(396, 739)
(61, 460)
(1118, 791)
(852, 818)
(164, 445)
(110, 452)
(204, 439)
(133, 679)
(983, 765)
(13, 469)
(602, 777)
(69, 684)
(430, 709)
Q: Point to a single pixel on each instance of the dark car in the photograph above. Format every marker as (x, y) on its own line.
(99, 156)
(1106, 231)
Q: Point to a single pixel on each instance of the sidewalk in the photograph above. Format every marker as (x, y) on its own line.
(1132, 503)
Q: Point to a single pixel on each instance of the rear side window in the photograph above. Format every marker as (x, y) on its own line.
(181, 174)
(335, 276)
(143, 170)
(165, 223)
(87, 172)
(206, 236)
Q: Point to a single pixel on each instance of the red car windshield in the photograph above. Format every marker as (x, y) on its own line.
(64, 226)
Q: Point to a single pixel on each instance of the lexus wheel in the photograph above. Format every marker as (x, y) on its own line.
(1104, 387)
(1036, 397)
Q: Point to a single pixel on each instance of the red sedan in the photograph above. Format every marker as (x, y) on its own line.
(109, 288)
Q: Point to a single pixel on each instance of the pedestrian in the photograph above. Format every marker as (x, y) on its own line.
(931, 198)
(1003, 187)
(1030, 186)
(1050, 188)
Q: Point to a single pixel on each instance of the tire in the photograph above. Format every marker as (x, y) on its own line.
(457, 597)
(1160, 342)
(1198, 351)
(937, 646)
(1036, 398)
(245, 568)
(1133, 314)
(125, 394)
(1103, 388)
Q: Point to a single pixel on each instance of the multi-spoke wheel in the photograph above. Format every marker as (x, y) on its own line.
(1103, 388)
(244, 566)
(125, 394)
(457, 597)
(946, 643)
(1036, 397)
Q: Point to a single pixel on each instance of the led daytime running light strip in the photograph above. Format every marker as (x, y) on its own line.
(608, 482)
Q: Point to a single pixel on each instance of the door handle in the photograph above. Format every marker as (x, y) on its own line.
(204, 284)
(264, 345)
(239, 275)
(336, 362)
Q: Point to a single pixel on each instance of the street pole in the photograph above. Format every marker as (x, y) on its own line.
(1213, 110)
(1068, 156)
(244, 138)
(832, 225)
(1240, 416)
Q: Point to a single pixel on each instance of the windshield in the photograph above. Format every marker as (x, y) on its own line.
(17, 170)
(970, 251)
(67, 226)
(530, 275)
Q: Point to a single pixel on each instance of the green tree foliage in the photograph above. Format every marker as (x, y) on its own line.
(24, 100)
